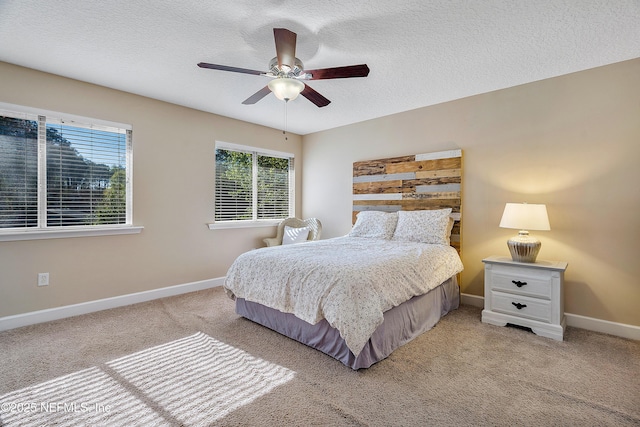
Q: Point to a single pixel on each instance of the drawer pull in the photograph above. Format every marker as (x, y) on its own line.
(518, 283)
(518, 305)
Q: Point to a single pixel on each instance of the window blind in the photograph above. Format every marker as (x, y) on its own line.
(234, 186)
(251, 185)
(273, 187)
(18, 170)
(59, 172)
(86, 174)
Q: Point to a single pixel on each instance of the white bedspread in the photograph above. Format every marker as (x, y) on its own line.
(349, 281)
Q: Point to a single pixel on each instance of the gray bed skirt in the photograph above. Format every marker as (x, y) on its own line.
(401, 324)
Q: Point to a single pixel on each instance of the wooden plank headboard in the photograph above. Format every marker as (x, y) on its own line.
(423, 181)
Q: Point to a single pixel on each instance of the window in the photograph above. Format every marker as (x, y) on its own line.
(62, 172)
(252, 185)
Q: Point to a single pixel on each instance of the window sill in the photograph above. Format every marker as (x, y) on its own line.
(67, 233)
(243, 224)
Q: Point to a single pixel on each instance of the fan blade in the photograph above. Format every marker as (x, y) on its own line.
(257, 96)
(314, 96)
(339, 72)
(227, 68)
(285, 47)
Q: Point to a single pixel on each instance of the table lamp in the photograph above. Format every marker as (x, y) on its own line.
(524, 217)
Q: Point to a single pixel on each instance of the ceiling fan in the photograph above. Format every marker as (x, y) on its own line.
(288, 73)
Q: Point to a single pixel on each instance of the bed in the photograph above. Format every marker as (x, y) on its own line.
(423, 311)
(358, 297)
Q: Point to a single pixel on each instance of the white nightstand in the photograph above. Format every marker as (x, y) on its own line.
(525, 294)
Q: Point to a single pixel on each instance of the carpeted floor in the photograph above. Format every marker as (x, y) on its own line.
(190, 360)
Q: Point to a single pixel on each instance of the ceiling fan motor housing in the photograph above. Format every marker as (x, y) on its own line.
(297, 71)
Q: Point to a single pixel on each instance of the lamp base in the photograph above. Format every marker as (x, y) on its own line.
(523, 247)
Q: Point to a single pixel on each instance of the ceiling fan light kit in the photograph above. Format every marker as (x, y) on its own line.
(286, 88)
(287, 73)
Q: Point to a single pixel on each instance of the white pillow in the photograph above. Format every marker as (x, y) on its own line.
(295, 235)
(427, 226)
(449, 229)
(374, 225)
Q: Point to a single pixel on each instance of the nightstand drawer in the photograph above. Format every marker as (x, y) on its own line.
(521, 281)
(521, 306)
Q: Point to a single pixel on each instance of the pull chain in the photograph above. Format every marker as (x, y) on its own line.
(284, 132)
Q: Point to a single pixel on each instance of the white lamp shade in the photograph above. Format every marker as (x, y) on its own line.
(524, 216)
(285, 88)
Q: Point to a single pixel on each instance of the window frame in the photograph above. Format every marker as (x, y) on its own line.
(255, 151)
(44, 231)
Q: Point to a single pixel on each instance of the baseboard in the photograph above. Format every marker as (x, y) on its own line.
(31, 318)
(589, 323)
(612, 328)
(473, 300)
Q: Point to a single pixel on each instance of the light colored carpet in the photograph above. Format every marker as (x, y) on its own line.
(190, 360)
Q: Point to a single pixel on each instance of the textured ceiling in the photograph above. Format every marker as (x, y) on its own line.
(420, 52)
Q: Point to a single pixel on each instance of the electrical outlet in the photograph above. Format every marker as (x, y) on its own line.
(43, 279)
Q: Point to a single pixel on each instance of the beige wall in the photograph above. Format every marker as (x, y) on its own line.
(173, 200)
(571, 142)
